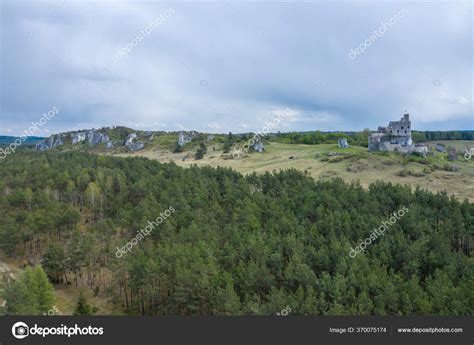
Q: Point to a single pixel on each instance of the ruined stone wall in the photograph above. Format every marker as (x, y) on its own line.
(402, 127)
(395, 137)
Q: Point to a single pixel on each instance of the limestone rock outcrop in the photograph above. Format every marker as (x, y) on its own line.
(186, 137)
(53, 141)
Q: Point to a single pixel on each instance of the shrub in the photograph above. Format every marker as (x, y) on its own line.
(201, 151)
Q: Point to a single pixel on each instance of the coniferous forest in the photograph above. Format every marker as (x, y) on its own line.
(235, 245)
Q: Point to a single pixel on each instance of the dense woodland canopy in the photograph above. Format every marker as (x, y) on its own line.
(235, 245)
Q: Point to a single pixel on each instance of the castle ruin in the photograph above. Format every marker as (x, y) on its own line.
(395, 137)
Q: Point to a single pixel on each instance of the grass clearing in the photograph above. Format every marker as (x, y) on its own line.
(356, 164)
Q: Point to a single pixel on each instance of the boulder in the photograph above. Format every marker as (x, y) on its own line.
(440, 148)
(342, 143)
(136, 145)
(133, 145)
(258, 146)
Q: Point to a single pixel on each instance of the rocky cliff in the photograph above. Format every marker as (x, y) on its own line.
(186, 137)
(93, 137)
(48, 143)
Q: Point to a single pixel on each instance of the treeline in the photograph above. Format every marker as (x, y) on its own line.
(361, 138)
(318, 137)
(235, 245)
(438, 135)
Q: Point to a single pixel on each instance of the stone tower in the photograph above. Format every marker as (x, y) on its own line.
(395, 137)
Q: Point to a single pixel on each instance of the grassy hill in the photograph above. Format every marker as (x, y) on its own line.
(320, 161)
(435, 173)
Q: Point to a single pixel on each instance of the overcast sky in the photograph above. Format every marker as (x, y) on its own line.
(228, 66)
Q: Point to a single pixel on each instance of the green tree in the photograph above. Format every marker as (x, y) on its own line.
(229, 141)
(201, 151)
(178, 148)
(82, 305)
(30, 294)
(54, 262)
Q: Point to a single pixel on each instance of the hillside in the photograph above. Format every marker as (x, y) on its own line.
(435, 173)
(142, 237)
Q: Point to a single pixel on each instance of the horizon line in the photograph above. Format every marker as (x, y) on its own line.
(224, 133)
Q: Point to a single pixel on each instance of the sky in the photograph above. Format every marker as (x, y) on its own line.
(233, 65)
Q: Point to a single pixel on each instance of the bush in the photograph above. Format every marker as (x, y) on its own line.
(178, 148)
(404, 172)
(428, 170)
(336, 159)
(201, 151)
(449, 167)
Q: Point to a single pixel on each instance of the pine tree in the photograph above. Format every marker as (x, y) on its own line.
(54, 262)
(30, 294)
(201, 151)
(82, 305)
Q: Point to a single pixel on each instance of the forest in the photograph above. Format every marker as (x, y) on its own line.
(236, 245)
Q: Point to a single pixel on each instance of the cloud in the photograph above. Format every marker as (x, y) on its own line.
(226, 66)
(214, 126)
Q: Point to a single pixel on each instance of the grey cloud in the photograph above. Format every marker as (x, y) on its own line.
(221, 67)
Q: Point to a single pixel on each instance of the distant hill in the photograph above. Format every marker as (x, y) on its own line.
(7, 140)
